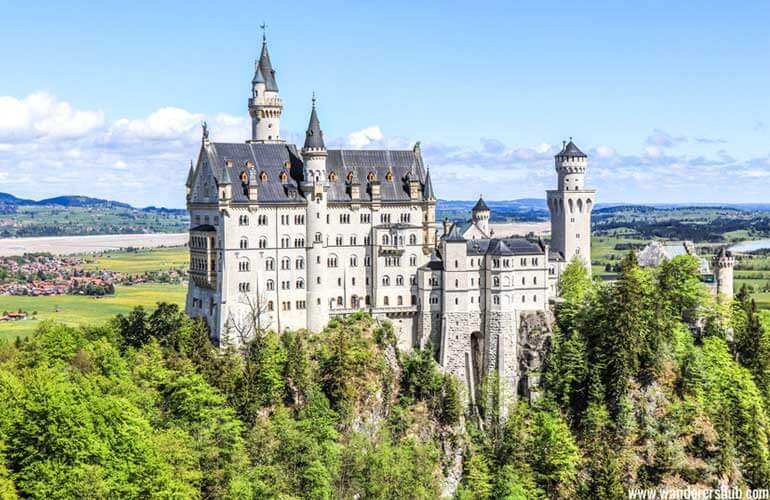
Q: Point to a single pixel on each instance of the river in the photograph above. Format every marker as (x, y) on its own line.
(750, 246)
(67, 245)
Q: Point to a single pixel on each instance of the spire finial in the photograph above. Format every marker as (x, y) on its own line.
(313, 99)
(205, 130)
(263, 27)
(570, 138)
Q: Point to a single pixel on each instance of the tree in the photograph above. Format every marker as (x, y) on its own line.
(253, 322)
(133, 328)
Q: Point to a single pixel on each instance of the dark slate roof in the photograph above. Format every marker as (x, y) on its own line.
(208, 228)
(273, 159)
(427, 191)
(267, 69)
(571, 150)
(362, 162)
(480, 206)
(503, 246)
(314, 137)
(190, 174)
(455, 234)
(724, 252)
(435, 263)
(258, 76)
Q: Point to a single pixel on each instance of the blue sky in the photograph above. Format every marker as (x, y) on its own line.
(670, 100)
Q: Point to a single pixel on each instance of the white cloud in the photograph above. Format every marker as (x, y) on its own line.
(41, 116)
(365, 137)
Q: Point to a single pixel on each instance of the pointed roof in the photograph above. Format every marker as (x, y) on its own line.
(427, 190)
(314, 137)
(225, 176)
(266, 68)
(455, 234)
(190, 174)
(570, 149)
(480, 206)
(258, 76)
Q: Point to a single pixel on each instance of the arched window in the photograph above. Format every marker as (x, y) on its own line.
(300, 263)
(386, 280)
(353, 261)
(263, 242)
(285, 263)
(299, 242)
(331, 261)
(389, 176)
(370, 177)
(244, 243)
(285, 240)
(243, 220)
(263, 177)
(270, 285)
(269, 265)
(496, 281)
(300, 283)
(399, 280)
(243, 265)
(412, 260)
(385, 239)
(496, 299)
(412, 239)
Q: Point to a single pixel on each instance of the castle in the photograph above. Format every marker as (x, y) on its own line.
(285, 238)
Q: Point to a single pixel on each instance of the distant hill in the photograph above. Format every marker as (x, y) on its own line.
(9, 200)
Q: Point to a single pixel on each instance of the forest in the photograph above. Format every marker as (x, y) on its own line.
(649, 382)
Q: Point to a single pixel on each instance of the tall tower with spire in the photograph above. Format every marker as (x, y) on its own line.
(570, 206)
(316, 186)
(265, 106)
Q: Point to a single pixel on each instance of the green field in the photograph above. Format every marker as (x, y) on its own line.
(158, 259)
(78, 309)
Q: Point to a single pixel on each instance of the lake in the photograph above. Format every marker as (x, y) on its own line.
(750, 245)
(67, 245)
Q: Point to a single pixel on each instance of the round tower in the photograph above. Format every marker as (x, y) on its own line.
(570, 205)
(480, 215)
(265, 106)
(723, 264)
(315, 186)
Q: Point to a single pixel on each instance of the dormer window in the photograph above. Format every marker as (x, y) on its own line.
(332, 177)
(244, 177)
(389, 176)
(370, 177)
(350, 177)
(284, 178)
(263, 177)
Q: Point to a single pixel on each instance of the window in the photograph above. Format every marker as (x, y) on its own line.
(457, 264)
(353, 261)
(367, 240)
(331, 261)
(400, 300)
(366, 218)
(414, 300)
(496, 281)
(344, 218)
(386, 280)
(285, 241)
(349, 177)
(244, 243)
(244, 287)
(534, 280)
(433, 299)
(243, 220)
(318, 238)
(385, 239)
(243, 265)
(284, 219)
(270, 306)
(412, 239)
(523, 280)
(496, 300)
(286, 306)
(299, 242)
(339, 301)
(263, 177)
(367, 261)
(389, 176)
(399, 280)
(332, 177)
(353, 240)
(269, 265)
(457, 283)
(270, 285)
(263, 242)
(413, 279)
(285, 263)
(338, 240)
(412, 260)
(370, 177)
(385, 218)
(299, 263)
(285, 285)
(300, 284)
(300, 304)
(262, 220)
(386, 301)
(284, 178)
(299, 219)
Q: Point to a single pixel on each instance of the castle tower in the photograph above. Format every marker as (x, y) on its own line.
(480, 215)
(570, 206)
(723, 264)
(315, 186)
(265, 106)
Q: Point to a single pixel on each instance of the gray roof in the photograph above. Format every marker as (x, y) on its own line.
(455, 234)
(274, 159)
(258, 76)
(503, 246)
(204, 228)
(267, 69)
(435, 263)
(190, 174)
(480, 206)
(314, 137)
(570, 149)
(427, 191)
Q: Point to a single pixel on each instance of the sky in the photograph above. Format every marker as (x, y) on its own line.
(670, 100)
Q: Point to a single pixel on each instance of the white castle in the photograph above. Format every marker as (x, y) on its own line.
(284, 238)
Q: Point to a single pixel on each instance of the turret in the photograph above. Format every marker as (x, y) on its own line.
(723, 265)
(265, 106)
(315, 186)
(570, 206)
(480, 216)
(225, 185)
(189, 183)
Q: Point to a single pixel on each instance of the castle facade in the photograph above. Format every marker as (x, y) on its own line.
(288, 238)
